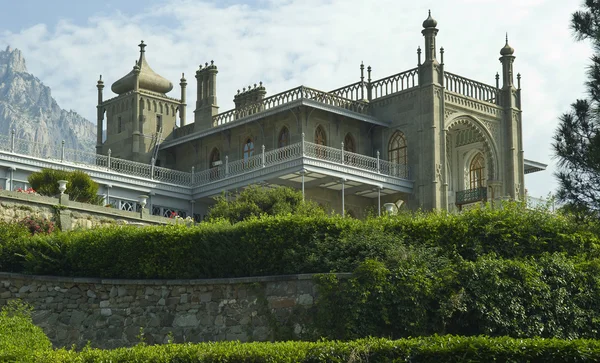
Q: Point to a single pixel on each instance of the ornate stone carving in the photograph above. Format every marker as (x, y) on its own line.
(438, 172)
(463, 101)
(488, 145)
(448, 112)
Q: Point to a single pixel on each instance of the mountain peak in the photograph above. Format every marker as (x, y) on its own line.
(12, 59)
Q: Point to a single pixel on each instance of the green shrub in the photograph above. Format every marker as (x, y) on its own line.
(14, 238)
(255, 201)
(80, 186)
(435, 349)
(20, 339)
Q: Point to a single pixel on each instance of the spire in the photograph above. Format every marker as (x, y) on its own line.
(507, 49)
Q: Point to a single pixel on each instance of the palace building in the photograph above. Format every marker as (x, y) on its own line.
(422, 138)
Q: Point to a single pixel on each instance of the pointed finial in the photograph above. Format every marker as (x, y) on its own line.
(206, 64)
(260, 83)
(497, 80)
(518, 80)
(142, 47)
(238, 92)
(255, 85)
(507, 49)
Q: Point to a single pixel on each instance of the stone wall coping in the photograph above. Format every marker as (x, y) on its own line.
(83, 207)
(219, 281)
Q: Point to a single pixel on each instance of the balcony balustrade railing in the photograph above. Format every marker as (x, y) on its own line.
(466, 87)
(395, 83)
(288, 96)
(471, 195)
(225, 170)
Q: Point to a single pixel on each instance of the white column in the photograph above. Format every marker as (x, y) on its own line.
(343, 201)
(379, 201)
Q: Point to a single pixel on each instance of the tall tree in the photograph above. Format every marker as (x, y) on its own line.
(577, 139)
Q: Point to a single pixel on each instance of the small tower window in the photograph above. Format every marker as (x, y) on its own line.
(119, 125)
(158, 123)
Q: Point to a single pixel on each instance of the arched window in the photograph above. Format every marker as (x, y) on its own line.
(320, 136)
(320, 139)
(477, 172)
(397, 149)
(214, 163)
(248, 149)
(284, 137)
(349, 144)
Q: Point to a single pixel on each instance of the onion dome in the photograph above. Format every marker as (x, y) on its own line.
(148, 79)
(507, 49)
(429, 22)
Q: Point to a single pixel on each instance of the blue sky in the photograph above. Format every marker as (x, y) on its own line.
(285, 43)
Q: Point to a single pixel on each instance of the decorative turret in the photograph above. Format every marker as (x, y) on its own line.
(249, 96)
(429, 32)
(507, 58)
(100, 116)
(146, 78)
(206, 100)
(183, 84)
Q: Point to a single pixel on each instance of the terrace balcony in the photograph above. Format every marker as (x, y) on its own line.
(301, 164)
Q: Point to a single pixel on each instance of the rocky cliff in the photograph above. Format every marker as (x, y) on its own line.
(27, 106)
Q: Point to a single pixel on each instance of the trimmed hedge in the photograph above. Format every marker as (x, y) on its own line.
(295, 244)
(435, 349)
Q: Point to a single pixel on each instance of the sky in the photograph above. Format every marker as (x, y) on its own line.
(286, 43)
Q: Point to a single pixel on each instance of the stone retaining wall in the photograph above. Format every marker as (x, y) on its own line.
(15, 206)
(110, 313)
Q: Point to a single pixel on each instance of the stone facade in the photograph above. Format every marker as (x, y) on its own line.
(459, 139)
(15, 206)
(110, 313)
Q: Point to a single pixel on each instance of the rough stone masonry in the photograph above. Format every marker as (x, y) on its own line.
(110, 313)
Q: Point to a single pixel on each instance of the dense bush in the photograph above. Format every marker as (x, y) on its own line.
(80, 186)
(548, 297)
(436, 349)
(20, 339)
(255, 201)
(511, 271)
(300, 244)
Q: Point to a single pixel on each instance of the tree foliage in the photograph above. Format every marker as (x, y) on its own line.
(80, 187)
(577, 139)
(255, 201)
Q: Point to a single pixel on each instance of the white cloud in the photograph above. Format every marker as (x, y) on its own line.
(319, 44)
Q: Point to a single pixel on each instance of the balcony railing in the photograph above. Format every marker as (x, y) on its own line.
(191, 179)
(295, 151)
(466, 87)
(471, 195)
(288, 96)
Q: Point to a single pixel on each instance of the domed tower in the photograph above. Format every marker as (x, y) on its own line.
(140, 116)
